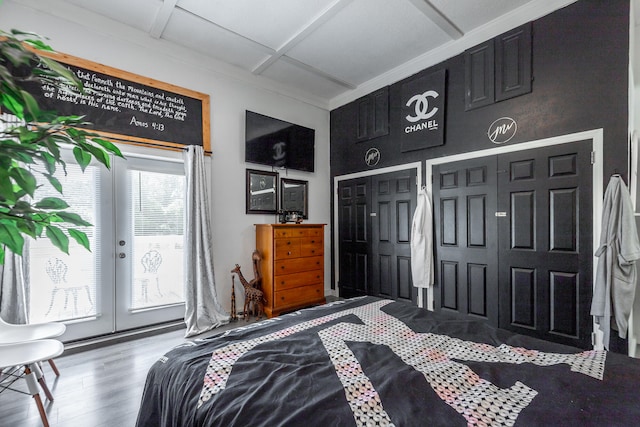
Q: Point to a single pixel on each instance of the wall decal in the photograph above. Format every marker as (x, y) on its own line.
(423, 101)
(372, 156)
(502, 130)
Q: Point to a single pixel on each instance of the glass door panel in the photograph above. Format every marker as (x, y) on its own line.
(150, 232)
(74, 287)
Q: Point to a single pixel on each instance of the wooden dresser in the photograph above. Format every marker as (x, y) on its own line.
(292, 265)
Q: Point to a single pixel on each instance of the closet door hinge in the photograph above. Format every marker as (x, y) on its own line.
(593, 157)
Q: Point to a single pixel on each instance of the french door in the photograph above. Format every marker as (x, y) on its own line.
(133, 275)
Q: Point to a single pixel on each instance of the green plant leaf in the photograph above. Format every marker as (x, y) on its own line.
(58, 238)
(10, 103)
(24, 179)
(31, 104)
(6, 187)
(108, 145)
(62, 71)
(27, 227)
(82, 157)
(39, 44)
(73, 218)
(49, 162)
(81, 238)
(55, 182)
(11, 237)
(51, 203)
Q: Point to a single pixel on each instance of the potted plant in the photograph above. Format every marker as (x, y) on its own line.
(30, 147)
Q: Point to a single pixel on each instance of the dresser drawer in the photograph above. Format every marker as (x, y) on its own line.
(297, 265)
(289, 232)
(310, 246)
(287, 248)
(298, 295)
(288, 281)
(315, 232)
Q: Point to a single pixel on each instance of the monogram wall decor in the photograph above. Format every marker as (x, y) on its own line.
(423, 103)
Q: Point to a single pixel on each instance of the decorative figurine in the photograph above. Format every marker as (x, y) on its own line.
(234, 315)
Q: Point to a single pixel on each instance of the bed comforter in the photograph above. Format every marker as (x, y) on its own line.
(369, 361)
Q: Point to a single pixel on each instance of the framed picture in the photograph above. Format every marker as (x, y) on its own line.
(294, 196)
(262, 192)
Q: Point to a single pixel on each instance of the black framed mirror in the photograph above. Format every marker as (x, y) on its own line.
(262, 192)
(294, 196)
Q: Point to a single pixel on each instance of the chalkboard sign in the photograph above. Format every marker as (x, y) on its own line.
(130, 108)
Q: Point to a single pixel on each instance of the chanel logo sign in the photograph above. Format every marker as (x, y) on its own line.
(421, 101)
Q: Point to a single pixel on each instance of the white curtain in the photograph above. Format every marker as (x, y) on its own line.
(203, 311)
(14, 295)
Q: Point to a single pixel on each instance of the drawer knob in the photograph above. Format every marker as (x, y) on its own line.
(313, 251)
(289, 242)
(289, 253)
(313, 241)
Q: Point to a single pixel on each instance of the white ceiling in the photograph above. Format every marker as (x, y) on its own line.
(330, 50)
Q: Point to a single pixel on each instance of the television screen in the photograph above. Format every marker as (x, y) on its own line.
(274, 142)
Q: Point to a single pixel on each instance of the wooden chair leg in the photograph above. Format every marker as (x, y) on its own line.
(54, 368)
(45, 388)
(43, 414)
(40, 377)
(30, 377)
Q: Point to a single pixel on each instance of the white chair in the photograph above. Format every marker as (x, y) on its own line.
(26, 355)
(12, 334)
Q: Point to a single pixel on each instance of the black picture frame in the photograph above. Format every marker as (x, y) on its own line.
(262, 192)
(294, 196)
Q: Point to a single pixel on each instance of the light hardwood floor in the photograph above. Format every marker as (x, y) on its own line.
(98, 387)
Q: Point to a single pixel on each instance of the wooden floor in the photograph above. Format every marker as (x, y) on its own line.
(98, 387)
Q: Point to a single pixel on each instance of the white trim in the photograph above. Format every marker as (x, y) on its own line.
(371, 172)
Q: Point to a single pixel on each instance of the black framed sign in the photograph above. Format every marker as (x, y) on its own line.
(128, 107)
(423, 103)
(294, 196)
(262, 192)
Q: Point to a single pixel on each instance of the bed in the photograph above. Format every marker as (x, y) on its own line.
(369, 361)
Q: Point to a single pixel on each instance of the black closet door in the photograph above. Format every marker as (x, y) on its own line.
(354, 230)
(545, 242)
(464, 195)
(515, 247)
(393, 203)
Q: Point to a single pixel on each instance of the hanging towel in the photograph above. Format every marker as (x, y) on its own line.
(422, 242)
(615, 285)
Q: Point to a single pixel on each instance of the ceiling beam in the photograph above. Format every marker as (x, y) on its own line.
(323, 17)
(438, 18)
(162, 18)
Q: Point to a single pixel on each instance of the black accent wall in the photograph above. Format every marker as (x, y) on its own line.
(580, 82)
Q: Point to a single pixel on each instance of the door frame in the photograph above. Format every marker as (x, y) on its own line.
(337, 179)
(597, 141)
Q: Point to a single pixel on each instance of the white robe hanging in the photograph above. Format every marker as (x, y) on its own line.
(422, 242)
(615, 285)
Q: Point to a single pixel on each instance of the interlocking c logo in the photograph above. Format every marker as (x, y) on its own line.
(279, 150)
(422, 106)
